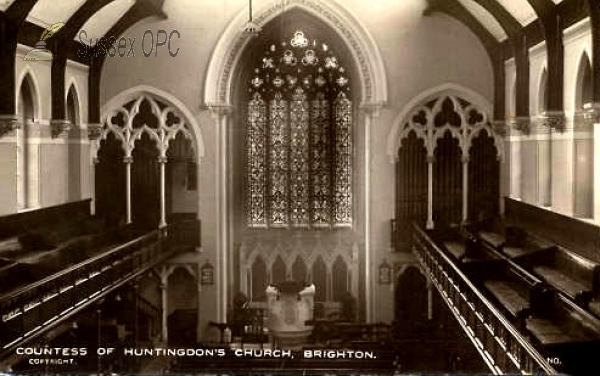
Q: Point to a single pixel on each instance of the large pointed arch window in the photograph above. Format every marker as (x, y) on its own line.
(299, 137)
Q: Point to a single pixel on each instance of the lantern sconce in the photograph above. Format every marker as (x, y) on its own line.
(385, 273)
(207, 274)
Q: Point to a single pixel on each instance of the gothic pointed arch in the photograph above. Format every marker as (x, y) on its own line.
(364, 52)
(171, 106)
(584, 89)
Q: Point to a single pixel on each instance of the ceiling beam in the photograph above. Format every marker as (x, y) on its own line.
(594, 12)
(550, 20)
(59, 63)
(140, 10)
(10, 25)
(518, 41)
(457, 11)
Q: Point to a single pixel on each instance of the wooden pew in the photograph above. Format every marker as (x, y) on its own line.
(516, 291)
(462, 246)
(568, 333)
(567, 272)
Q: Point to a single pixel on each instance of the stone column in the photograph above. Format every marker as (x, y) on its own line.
(128, 161)
(430, 160)
(165, 309)
(94, 134)
(465, 187)
(221, 115)
(162, 161)
(371, 112)
(592, 117)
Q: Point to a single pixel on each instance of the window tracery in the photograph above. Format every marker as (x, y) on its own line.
(299, 137)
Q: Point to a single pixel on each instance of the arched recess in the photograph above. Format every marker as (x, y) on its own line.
(226, 83)
(584, 88)
(411, 306)
(155, 134)
(544, 144)
(74, 146)
(543, 92)
(448, 119)
(27, 153)
(583, 148)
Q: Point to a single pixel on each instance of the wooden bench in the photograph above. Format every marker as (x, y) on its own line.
(563, 322)
(516, 291)
(566, 271)
(466, 248)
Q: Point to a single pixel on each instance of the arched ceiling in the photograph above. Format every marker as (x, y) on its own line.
(46, 12)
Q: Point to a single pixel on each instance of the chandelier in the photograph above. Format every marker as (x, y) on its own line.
(250, 28)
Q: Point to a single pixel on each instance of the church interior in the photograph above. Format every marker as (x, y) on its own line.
(300, 186)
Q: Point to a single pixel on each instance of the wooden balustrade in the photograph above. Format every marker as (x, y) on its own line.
(501, 346)
(29, 311)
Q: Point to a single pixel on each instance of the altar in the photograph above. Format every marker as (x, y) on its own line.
(290, 307)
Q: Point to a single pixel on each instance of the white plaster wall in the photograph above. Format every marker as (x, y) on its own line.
(41, 73)
(577, 39)
(538, 57)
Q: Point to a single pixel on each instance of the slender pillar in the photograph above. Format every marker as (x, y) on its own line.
(465, 188)
(162, 162)
(429, 299)
(221, 115)
(596, 149)
(165, 310)
(430, 160)
(94, 131)
(593, 118)
(128, 161)
(371, 112)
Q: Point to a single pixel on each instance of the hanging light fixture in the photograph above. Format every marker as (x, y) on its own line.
(251, 28)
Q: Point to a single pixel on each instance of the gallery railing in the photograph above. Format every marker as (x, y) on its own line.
(31, 310)
(501, 346)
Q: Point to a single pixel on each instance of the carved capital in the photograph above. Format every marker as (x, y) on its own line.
(94, 131)
(591, 113)
(371, 108)
(220, 110)
(521, 124)
(464, 159)
(554, 120)
(59, 127)
(8, 124)
(430, 159)
(162, 159)
(128, 160)
(500, 127)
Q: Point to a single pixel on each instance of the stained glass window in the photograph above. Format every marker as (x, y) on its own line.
(299, 137)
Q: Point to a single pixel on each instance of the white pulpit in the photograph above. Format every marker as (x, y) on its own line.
(290, 306)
